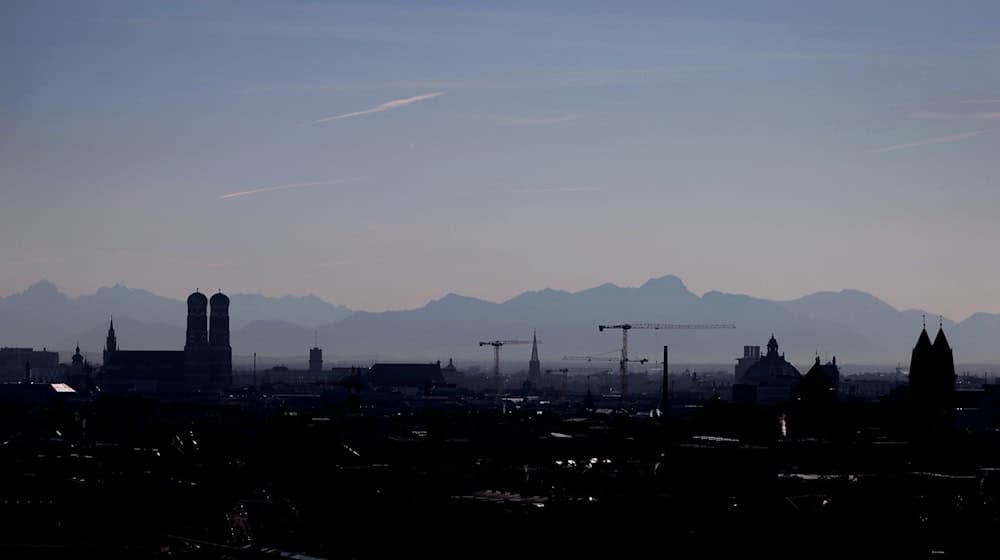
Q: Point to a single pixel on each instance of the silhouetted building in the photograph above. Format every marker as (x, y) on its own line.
(79, 374)
(820, 384)
(145, 371)
(111, 343)
(221, 362)
(315, 360)
(405, 375)
(932, 382)
(12, 363)
(770, 380)
(534, 366)
(197, 354)
(77, 360)
(751, 355)
(204, 364)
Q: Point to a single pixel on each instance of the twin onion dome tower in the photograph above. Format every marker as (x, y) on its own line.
(205, 364)
(208, 356)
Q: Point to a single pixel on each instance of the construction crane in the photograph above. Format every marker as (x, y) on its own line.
(497, 344)
(625, 327)
(600, 359)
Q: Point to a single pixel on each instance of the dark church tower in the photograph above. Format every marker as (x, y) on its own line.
(197, 324)
(534, 366)
(932, 383)
(218, 334)
(944, 370)
(221, 374)
(77, 358)
(111, 344)
(196, 351)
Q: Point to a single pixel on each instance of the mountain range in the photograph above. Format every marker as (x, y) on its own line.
(854, 326)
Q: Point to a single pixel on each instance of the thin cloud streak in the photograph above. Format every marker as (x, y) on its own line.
(288, 187)
(993, 116)
(395, 103)
(553, 190)
(938, 140)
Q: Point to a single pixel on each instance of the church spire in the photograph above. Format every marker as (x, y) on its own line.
(534, 367)
(111, 344)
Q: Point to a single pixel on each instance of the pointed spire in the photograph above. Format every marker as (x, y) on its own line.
(924, 341)
(534, 346)
(772, 346)
(941, 341)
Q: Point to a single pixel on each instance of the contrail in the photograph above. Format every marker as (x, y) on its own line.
(383, 107)
(553, 190)
(288, 187)
(938, 140)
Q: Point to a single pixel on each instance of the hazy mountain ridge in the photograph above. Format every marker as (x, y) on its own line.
(41, 316)
(853, 325)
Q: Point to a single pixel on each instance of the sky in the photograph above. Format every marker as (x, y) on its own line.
(382, 154)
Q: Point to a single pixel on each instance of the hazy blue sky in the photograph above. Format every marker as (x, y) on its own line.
(772, 148)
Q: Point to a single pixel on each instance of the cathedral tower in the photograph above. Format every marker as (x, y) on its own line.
(534, 367)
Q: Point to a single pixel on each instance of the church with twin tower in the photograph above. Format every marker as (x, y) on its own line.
(208, 356)
(205, 364)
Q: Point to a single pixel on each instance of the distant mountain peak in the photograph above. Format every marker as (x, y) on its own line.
(604, 288)
(668, 284)
(452, 298)
(41, 287)
(43, 290)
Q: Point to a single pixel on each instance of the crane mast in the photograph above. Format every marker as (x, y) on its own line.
(625, 327)
(497, 344)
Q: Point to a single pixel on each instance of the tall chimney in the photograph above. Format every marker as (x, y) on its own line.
(665, 388)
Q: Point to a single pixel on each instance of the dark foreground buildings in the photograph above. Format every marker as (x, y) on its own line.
(13, 362)
(205, 363)
(391, 462)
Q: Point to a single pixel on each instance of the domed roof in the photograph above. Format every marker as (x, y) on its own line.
(772, 369)
(198, 299)
(219, 300)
